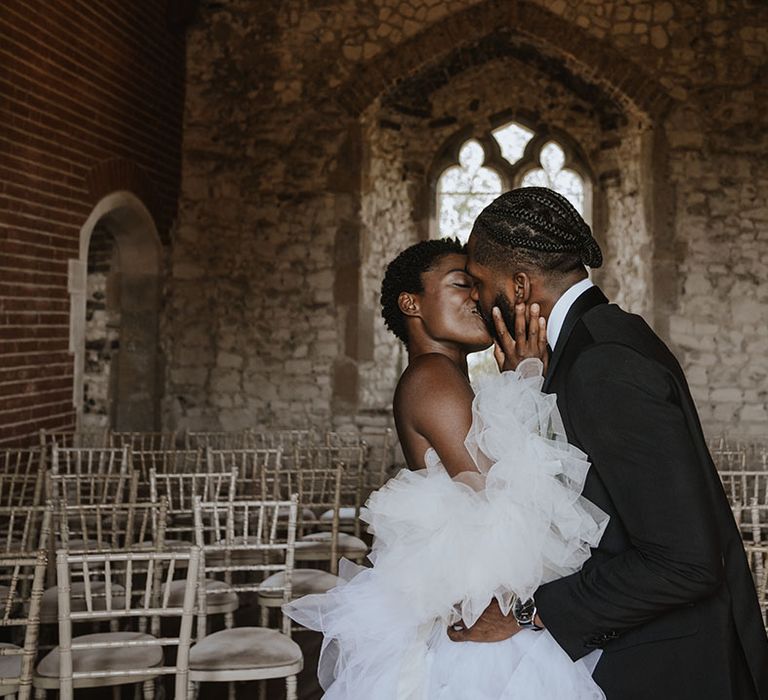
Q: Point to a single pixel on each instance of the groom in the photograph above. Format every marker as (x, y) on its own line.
(667, 595)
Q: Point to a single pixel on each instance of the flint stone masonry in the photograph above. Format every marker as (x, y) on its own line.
(312, 138)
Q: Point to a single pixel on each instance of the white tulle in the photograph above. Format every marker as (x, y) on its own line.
(444, 548)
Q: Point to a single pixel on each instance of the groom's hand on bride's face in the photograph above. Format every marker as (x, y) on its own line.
(491, 626)
(530, 338)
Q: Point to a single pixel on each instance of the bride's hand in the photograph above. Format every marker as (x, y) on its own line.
(530, 338)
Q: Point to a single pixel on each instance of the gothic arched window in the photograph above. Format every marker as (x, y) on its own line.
(511, 155)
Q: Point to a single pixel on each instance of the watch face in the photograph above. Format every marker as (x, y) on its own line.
(524, 611)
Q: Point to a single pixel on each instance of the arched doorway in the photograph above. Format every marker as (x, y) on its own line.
(115, 303)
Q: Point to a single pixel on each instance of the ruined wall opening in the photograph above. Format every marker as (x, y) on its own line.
(115, 304)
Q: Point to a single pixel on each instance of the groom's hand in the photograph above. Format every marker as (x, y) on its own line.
(491, 626)
(529, 339)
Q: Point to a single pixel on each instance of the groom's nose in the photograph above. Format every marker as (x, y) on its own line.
(474, 295)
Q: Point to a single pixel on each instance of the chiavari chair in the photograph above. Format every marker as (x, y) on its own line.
(319, 490)
(22, 578)
(135, 593)
(250, 545)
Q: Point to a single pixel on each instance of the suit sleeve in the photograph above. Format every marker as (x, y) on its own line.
(625, 412)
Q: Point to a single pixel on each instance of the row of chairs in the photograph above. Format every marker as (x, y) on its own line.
(379, 444)
(88, 482)
(136, 586)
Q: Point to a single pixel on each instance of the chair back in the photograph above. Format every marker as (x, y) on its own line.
(111, 526)
(254, 467)
(73, 438)
(25, 530)
(22, 476)
(22, 581)
(144, 442)
(245, 542)
(166, 462)
(180, 491)
(220, 440)
(134, 589)
(744, 486)
(287, 439)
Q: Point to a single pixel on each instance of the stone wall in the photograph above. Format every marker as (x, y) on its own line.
(102, 331)
(310, 139)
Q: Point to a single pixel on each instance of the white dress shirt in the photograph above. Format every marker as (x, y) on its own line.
(561, 308)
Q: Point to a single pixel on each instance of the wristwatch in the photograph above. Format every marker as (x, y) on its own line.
(524, 612)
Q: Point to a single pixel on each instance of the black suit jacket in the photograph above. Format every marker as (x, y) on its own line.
(667, 594)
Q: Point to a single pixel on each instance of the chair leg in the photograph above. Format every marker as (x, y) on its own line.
(262, 690)
(291, 688)
(39, 693)
(264, 622)
(115, 692)
(230, 691)
(149, 689)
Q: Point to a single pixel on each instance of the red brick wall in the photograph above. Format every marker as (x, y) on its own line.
(91, 101)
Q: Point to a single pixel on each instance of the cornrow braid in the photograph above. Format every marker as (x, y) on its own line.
(544, 222)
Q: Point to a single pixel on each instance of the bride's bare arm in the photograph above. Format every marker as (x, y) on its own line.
(433, 407)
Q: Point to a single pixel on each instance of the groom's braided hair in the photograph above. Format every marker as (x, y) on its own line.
(534, 228)
(404, 275)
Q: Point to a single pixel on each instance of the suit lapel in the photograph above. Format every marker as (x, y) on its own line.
(589, 299)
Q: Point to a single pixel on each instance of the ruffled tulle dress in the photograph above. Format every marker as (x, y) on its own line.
(444, 548)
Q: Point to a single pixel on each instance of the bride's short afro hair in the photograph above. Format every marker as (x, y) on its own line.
(404, 275)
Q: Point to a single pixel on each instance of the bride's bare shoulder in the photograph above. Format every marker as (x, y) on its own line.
(432, 377)
(430, 369)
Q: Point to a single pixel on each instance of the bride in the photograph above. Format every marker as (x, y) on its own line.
(492, 511)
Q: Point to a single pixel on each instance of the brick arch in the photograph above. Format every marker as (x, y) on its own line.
(124, 175)
(588, 58)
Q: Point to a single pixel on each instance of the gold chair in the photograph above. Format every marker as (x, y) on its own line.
(23, 579)
(318, 538)
(231, 537)
(133, 655)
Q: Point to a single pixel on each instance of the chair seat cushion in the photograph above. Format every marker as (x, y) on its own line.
(345, 513)
(49, 605)
(306, 513)
(303, 582)
(113, 659)
(244, 648)
(319, 543)
(220, 597)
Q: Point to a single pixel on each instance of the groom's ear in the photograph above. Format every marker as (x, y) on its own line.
(519, 290)
(408, 304)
